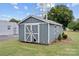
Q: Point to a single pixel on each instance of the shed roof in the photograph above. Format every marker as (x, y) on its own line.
(41, 19)
(4, 21)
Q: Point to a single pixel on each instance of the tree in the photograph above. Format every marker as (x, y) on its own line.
(61, 14)
(78, 19)
(14, 20)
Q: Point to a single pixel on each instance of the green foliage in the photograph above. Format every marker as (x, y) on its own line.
(78, 19)
(74, 25)
(64, 36)
(59, 37)
(14, 20)
(61, 14)
(77, 26)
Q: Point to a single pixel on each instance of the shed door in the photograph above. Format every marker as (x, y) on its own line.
(32, 32)
(28, 33)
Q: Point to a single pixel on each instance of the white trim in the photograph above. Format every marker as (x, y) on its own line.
(31, 23)
(31, 34)
(35, 23)
(24, 32)
(27, 36)
(48, 33)
(38, 33)
(31, 30)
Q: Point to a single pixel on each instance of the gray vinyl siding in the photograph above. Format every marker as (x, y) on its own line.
(32, 20)
(52, 33)
(54, 30)
(44, 33)
(58, 31)
(21, 32)
(61, 30)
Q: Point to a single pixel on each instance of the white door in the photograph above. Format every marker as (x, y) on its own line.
(32, 33)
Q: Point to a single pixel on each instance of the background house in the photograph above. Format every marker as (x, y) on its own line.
(8, 28)
(39, 30)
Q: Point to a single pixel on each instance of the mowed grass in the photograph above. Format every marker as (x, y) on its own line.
(13, 47)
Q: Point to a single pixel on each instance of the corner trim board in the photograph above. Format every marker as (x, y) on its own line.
(48, 33)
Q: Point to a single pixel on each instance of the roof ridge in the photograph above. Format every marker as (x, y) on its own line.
(47, 21)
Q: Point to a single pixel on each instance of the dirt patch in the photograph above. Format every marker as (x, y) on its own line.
(66, 41)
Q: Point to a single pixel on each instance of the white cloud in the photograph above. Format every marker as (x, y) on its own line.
(68, 5)
(38, 5)
(16, 7)
(40, 15)
(74, 4)
(42, 5)
(14, 3)
(42, 10)
(49, 5)
(5, 17)
(27, 14)
(25, 7)
(53, 5)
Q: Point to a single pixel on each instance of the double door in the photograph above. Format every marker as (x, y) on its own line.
(32, 33)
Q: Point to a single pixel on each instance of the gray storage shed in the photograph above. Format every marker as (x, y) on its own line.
(38, 30)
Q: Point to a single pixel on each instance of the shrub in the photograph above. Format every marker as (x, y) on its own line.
(59, 37)
(64, 36)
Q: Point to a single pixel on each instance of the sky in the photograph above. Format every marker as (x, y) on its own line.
(21, 10)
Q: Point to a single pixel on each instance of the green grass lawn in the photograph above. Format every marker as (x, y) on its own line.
(14, 47)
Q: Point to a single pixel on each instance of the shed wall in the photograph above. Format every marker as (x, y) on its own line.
(44, 33)
(55, 31)
(58, 31)
(21, 32)
(52, 33)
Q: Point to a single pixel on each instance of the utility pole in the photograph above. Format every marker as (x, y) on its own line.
(33, 12)
(44, 9)
(47, 6)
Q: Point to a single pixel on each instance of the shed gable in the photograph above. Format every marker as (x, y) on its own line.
(32, 20)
